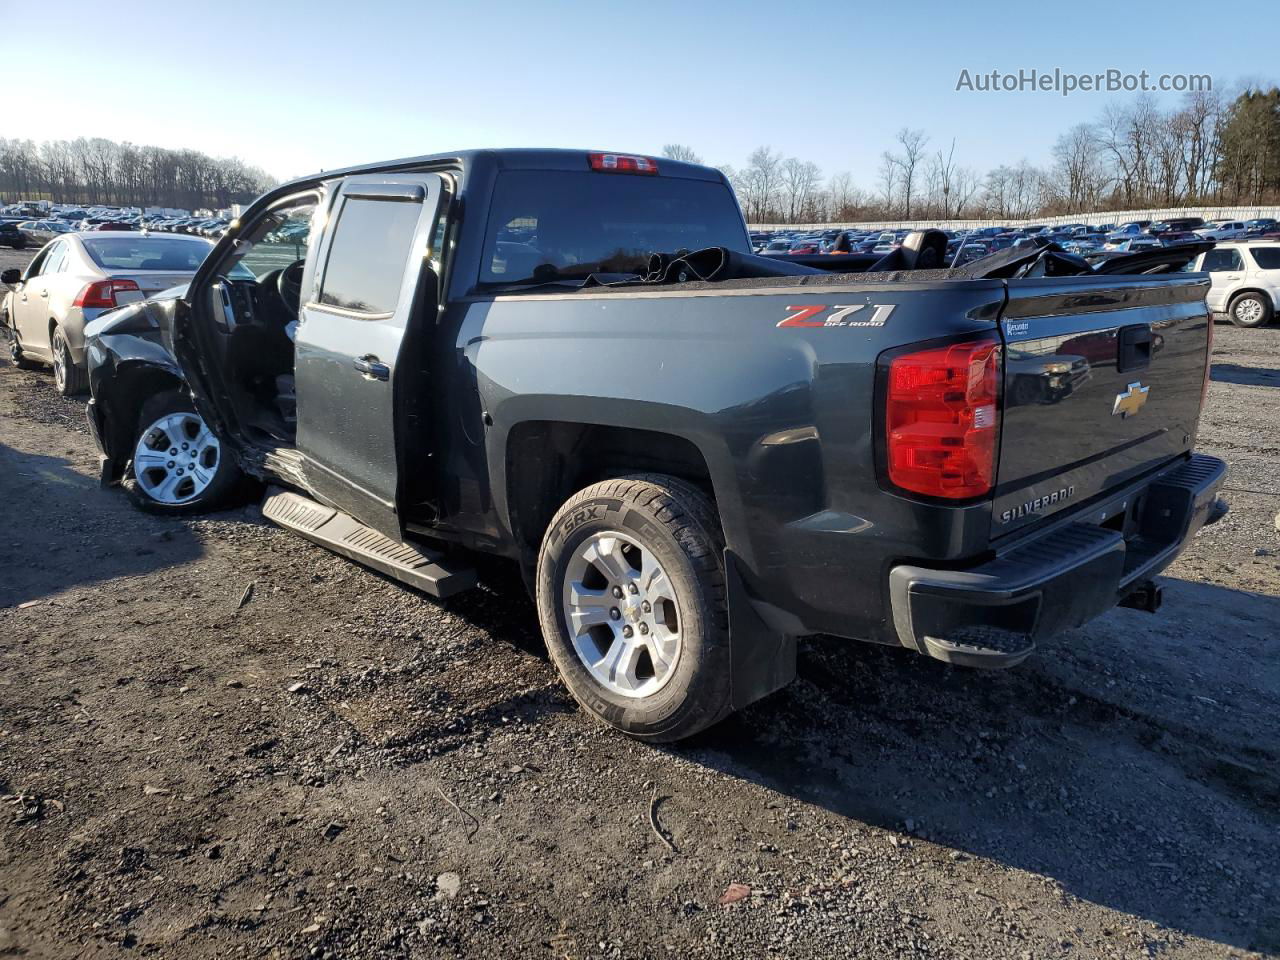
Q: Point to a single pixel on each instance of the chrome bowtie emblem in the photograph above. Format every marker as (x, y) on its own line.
(1130, 401)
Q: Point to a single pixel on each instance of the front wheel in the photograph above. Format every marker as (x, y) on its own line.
(16, 356)
(631, 599)
(178, 464)
(1250, 310)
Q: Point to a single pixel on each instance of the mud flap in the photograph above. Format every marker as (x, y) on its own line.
(762, 658)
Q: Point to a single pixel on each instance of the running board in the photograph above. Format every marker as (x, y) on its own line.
(426, 570)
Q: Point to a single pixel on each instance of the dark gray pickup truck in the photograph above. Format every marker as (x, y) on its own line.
(696, 456)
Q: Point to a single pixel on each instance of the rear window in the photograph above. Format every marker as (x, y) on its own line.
(550, 225)
(1267, 258)
(146, 253)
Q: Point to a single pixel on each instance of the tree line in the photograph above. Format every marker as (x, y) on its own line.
(1209, 149)
(94, 170)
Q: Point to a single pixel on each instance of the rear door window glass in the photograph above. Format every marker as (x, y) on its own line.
(1267, 258)
(368, 253)
(1222, 261)
(54, 260)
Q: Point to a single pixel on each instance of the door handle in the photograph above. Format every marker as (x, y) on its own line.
(371, 368)
(45, 294)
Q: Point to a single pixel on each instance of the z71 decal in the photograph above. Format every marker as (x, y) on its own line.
(840, 316)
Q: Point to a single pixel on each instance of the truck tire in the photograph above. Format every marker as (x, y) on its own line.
(631, 599)
(168, 425)
(67, 377)
(1250, 310)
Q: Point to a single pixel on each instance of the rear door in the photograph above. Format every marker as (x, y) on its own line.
(1103, 382)
(374, 277)
(1225, 267)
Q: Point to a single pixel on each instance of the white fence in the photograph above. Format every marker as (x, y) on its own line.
(1110, 216)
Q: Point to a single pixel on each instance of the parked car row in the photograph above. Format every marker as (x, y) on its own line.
(967, 245)
(33, 226)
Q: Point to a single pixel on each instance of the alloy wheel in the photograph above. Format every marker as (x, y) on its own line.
(176, 458)
(1249, 310)
(623, 614)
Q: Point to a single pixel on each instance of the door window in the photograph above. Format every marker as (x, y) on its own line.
(367, 255)
(1222, 261)
(54, 259)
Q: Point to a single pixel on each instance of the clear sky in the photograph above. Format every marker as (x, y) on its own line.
(294, 87)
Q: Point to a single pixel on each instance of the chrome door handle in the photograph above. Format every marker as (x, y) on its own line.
(370, 367)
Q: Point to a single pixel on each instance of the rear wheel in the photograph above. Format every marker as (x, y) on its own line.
(1250, 310)
(631, 599)
(70, 379)
(178, 464)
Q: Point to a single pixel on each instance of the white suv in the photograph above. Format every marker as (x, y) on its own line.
(1246, 281)
(1221, 229)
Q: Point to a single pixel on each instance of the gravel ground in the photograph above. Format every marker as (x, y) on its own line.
(342, 768)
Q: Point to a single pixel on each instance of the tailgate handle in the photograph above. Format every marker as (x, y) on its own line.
(1135, 348)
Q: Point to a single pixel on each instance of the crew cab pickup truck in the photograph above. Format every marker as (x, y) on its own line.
(695, 455)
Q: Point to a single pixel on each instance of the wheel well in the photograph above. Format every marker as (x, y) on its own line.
(121, 404)
(1266, 297)
(549, 461)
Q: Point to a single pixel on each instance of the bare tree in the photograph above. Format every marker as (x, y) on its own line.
(800, 179)
(89, 171)
(1078, 168)
(762, 180)
(887, 180)
(678, 151)
(908, 162)
(942, 176)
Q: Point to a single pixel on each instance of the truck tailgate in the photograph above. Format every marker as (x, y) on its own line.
(1103, 381)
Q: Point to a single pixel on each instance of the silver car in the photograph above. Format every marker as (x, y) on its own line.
(78, 277)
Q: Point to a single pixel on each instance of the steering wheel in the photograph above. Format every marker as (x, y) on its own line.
(289, 285)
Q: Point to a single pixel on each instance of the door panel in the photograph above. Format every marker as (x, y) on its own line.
(350, 336)
(31, 305)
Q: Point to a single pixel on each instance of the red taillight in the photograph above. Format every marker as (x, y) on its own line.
(942, 419)
(102, 294)
(622, 163)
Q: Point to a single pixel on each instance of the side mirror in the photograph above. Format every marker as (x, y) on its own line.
(11, 276)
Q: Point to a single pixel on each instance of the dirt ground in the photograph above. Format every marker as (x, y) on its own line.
(342, 768)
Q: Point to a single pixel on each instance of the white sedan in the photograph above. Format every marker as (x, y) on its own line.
(78, 277)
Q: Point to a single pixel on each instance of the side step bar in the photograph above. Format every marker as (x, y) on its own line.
(423, 569)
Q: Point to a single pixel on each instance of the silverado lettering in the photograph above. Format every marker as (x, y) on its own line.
(1038, 504)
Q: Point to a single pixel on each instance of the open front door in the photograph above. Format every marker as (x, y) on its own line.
(373, 278)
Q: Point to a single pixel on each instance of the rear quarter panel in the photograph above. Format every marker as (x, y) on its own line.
(782, 415)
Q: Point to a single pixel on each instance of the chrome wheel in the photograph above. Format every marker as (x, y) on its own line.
(1249, 311)
(622, 614)
(60, 361)
(176, 458)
